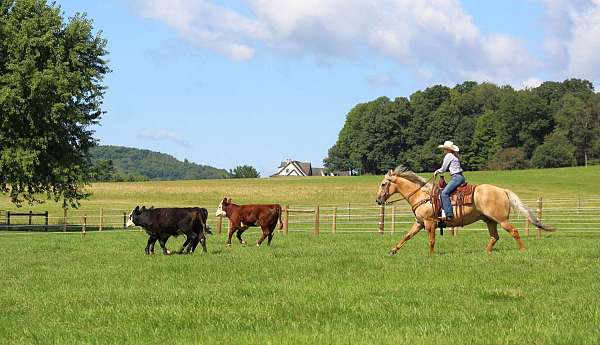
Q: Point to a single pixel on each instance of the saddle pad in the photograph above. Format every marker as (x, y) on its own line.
(463, 195)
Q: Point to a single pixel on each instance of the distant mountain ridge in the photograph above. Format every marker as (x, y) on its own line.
(135, 164)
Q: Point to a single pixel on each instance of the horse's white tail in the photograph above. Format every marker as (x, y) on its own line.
(517, 204)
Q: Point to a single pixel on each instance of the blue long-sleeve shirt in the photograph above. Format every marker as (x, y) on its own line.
(451, 163)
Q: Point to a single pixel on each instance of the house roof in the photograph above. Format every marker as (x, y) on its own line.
(317, 171)
(306, 167)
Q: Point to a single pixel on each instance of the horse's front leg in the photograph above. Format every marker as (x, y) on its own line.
(430, 227)
(416, 227)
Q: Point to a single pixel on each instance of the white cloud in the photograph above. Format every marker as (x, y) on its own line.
(207, 25)
(435, 35)
(572, 44)
(382, 80)
(162, 135)
(531, 83)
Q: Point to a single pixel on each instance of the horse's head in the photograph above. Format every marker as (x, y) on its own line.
(387, 188)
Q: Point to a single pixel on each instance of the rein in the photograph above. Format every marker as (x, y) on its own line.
(411, 194)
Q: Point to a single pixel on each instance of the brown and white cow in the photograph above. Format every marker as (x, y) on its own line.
(244, 216)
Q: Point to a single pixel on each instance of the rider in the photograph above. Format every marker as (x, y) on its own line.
(452, 163)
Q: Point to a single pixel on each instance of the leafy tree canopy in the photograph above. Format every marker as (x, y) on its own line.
(51, 91)
(244, 171)
(496, 127)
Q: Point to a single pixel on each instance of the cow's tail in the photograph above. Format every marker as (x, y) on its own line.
(199, 220)
(205, 217)
(528, 213)
(279, 217)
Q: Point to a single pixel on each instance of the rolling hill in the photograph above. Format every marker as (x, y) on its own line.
(136, 164)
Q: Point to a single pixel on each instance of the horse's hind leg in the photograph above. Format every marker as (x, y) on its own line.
(513, 232)
(493, 230)
(416, 227)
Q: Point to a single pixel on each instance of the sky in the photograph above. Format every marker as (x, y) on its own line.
(233, 82)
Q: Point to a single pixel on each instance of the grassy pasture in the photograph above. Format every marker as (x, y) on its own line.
(555, 183)
(343, 289)
(305, 289)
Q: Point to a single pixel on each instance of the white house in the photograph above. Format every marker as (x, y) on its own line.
(291, 167)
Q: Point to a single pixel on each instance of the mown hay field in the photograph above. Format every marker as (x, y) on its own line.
(62, 288)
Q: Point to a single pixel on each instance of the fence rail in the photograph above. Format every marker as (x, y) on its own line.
(566, 214)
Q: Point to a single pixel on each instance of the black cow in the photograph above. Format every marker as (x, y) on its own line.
(162, 223)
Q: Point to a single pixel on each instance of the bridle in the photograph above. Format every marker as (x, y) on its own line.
(387, 192)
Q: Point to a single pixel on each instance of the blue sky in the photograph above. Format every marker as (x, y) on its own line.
(254, 82)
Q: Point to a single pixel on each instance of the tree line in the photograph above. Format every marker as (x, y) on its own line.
(117, 163)
(496, 127)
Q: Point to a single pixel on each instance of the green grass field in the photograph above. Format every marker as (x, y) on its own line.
(343, 289)
(305, 289)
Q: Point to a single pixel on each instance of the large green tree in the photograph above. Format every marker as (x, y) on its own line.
(51, 91)
(495, 127)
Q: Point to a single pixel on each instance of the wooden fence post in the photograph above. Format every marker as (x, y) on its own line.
(124, 220)
(84, 225)
(287, 219)
(539, 215)
(381, 219)
(334, 220)
(30, 218)
(393, 220)
(317, 220)
(46, 221)
(65, 220)
(219, 224)
(348, 211)
(101, 219)
(8, 218)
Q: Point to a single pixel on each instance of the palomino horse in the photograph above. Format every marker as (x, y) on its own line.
(491, 204)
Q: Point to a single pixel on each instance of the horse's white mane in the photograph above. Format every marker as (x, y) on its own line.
(405, 173)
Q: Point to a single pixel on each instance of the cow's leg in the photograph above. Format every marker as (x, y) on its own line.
(187, 243)
(271, 232)
(263, 235)
(232, 229)
(239, 233)
(163, 244)
(150, 244)
(154, 239)
(192, 238)
(202, 239)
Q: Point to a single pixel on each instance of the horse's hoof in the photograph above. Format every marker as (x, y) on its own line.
(393, 252)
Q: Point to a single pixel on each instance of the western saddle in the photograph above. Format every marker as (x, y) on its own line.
(463, 195)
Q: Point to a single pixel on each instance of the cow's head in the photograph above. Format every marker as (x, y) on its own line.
(134, 216)
(221, 210)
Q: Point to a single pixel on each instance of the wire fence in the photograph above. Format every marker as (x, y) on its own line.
(567, 215)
